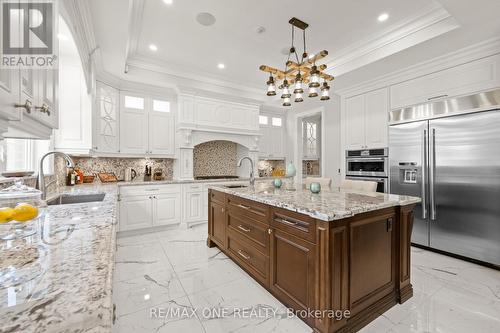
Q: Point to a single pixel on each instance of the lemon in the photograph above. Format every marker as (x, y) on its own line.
(25, 212)
(6, 214)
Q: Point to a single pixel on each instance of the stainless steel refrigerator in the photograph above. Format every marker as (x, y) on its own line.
(451, 161)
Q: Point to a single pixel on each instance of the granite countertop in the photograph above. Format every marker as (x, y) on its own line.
(73, 291)
(328, 205)
(182, 181)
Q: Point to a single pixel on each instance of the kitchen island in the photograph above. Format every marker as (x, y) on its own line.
(338, 258)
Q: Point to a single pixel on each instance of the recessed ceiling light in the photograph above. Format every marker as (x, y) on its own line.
(205, 19)
(168, 2)
(260, 29)
(221, 66)
(383, 17)
(62, 37)
(153, 47)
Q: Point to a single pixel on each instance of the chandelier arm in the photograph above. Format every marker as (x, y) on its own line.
(304, 39)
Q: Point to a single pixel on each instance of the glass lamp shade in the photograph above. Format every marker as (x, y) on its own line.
(286, 101)
(313, 92)
(325, 92)
(298, 98)
(298, 87)
(286, 92)
(314, 83)
(271, 87)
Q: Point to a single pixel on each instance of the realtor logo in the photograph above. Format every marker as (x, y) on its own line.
(27, 28)
(28, 34)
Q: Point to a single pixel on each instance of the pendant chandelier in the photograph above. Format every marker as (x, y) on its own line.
(300, 72)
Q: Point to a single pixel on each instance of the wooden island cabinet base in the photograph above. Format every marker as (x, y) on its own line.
(359, 266)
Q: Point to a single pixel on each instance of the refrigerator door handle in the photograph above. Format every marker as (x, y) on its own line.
(424, 167)
(432, 171)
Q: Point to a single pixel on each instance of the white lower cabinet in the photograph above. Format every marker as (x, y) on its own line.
(149, 206)
(166, 209)
(136, 212)
(193, 203)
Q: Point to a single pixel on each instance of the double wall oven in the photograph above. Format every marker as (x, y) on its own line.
(369, 165)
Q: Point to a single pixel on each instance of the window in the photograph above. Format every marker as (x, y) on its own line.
(161, 106)
(276, 122)
(132, 102)
(25, 155)
(263, 120)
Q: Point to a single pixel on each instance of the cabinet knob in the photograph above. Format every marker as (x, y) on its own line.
(27, 106)
(43, 109)
(269, 231)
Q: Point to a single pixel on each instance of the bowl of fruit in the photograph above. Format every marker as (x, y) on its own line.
(20, 209)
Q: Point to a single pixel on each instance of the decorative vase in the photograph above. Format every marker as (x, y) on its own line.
(278, 182)
(291, 170)
(315, 187)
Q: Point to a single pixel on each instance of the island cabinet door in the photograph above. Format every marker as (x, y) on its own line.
(218, 223)
(292, 271)
(372, 260)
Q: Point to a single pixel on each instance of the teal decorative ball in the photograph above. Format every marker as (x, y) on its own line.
(315, 187)
(278, 182)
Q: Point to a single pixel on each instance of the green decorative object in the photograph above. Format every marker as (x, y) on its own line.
(291, 170)
(278, 182)
(315, 187)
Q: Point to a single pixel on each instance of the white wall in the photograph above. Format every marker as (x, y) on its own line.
(331, 128)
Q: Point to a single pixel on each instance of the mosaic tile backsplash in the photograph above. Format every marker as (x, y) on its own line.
(266, 167)
(117, 165)
(215, 158)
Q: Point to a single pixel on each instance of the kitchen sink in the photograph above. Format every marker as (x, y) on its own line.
(235, 186)
(65, 199)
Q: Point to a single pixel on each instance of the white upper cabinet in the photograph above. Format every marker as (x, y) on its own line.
(106, 127)
(147, 125)
(161, 128)
(355, 122)
(366, 120)
(272, 135)
(9, 94)
(133, 124)
(46, 99)
(376, 119)
(472, 77)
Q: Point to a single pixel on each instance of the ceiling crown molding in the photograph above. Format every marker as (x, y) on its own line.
(467, 54)
(135, 16)
(425, 24)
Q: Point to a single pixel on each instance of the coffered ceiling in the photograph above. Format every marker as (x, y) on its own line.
(187, 51)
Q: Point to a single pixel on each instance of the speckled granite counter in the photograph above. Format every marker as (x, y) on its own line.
(179, 181)
(329, 205)
(73, 292)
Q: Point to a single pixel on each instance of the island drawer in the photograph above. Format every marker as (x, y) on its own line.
(217, 196)
(254, 261)
(296, 224)
(248, 208)
(254, 231)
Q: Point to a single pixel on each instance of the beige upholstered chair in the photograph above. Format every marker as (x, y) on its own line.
(359, 185)
(324, 182)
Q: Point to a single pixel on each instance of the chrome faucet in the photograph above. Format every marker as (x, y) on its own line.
(41, 177)
(252, 177)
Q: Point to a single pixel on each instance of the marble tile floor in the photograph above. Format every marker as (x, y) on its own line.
(171, 281)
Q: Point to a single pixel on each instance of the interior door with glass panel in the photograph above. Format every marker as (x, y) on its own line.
(408, 156)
